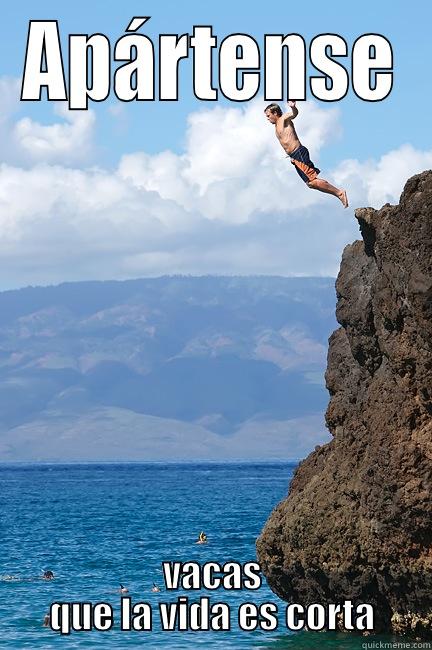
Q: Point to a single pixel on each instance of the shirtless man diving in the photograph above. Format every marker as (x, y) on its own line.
(287, 136)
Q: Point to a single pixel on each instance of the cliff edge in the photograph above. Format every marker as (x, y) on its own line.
(357, 522)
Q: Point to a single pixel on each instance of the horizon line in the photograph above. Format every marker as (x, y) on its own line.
(177, 276)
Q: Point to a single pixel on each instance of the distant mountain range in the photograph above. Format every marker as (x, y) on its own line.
(164, 368)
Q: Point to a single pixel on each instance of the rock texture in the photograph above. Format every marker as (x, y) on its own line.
(357, 524)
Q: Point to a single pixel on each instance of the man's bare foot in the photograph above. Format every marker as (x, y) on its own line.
(343, 198)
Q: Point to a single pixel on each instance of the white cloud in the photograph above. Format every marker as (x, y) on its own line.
(375, 182)
(69, 141)
(230, 203)
(232, 166)
(25, 142)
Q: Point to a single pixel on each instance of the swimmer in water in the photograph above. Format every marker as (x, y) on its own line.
(123, 590)
(48, 575)
(155, 588)
(202, 538)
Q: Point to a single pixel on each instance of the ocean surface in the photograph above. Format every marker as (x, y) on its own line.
(96, 526)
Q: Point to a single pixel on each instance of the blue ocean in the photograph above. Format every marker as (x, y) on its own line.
(99, 526)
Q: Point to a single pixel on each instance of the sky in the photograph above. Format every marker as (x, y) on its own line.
(151, 188)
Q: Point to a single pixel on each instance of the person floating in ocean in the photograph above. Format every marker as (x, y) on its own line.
(155, 588)
(287, 136)
(202, 538)
(123, 590)
(48, 575)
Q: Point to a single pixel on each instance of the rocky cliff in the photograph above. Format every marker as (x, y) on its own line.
(357, 524)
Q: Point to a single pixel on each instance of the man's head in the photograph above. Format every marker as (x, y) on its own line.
(273, 112)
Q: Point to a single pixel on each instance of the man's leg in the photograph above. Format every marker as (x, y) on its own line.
(324, 186)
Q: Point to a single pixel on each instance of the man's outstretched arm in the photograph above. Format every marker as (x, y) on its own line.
(292, 114)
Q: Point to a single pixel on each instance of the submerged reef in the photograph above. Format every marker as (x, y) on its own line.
(357, 522)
